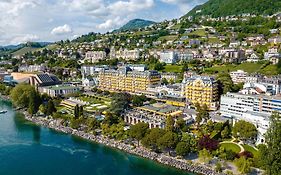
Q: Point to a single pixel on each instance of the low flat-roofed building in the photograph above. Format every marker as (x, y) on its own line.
(58, 90)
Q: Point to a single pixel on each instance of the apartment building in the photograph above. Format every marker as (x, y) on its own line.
(168, 57)
(255, 109)
(95, 56)
(238, 76)
(202, 90)
(124, 79)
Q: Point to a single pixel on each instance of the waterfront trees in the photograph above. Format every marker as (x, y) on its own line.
(50, 108)
(25, 96)
(20, 95)
(182, 148)
(151, 137)
(138, 131)
(168, 141)
(204, 156)
(34, 102)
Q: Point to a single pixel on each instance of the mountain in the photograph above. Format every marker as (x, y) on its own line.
(219, 8)
(136, 24)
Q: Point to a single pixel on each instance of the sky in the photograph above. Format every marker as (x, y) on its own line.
(53, 20)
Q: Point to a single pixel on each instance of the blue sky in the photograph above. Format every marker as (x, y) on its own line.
(52, 20)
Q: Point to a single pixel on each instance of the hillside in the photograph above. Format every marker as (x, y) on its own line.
(135, 24)
(30, 47)
(219, 8)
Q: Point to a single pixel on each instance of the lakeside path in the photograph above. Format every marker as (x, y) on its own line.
(139, 151)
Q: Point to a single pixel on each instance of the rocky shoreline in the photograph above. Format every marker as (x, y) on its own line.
(139, 151)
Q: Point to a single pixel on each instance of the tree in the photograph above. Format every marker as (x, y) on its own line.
(271, 153)
(120, 102)
(138, 100)
(80, 111)
(43, 109)
(92, 123)
(34, 102)
(244, 130)
(190, 140)
(225, 83)
(159, 66)
(204, 155)
(76, 111)
(202, 113)
(218, 167)
(182, 149)
(51, 107)
(225, 133)
(243, 165)
(165, 81)
(20, 95)
(181, 124)
(208, 143)
(170, 122)
(138, 131)
(151, 138)
(168, 141)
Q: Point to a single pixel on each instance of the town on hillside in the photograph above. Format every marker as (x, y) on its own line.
(201, 89)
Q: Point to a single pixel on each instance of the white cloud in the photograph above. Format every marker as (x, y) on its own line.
(61, 30)
(40, 17)
(112, 23)
(184, 5)
(24, 38)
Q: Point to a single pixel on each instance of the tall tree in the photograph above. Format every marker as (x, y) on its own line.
(271, 154)
(170, 122)
(51, 107)
(168, 141)
(245, 130)
(138, 131)
(150, 139)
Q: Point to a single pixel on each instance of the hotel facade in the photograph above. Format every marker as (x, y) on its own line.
(202, 90)
(124, 79)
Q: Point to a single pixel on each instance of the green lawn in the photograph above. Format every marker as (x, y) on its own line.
(270, 70)
(214, 40)
(25, 50)
(251, 149)
(248, 67)
(177, 26)
(231, 146)
(173, 68)
(200, 32)
(168, 37)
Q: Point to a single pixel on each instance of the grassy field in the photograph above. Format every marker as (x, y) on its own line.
(214, 40)
(168, 37)
(25, 50)
(231, 146)
(251, 149)
(200, 32)
(177, 26)
(173, 68)
(269, 70)
(248, 67)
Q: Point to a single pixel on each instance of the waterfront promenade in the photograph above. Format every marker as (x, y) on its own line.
(139, 151)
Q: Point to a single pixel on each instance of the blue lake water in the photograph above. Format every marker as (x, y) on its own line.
(27, 149)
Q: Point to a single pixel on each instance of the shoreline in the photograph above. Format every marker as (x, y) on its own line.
(138, 151)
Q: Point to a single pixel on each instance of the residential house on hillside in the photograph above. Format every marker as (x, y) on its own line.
(168, 57)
